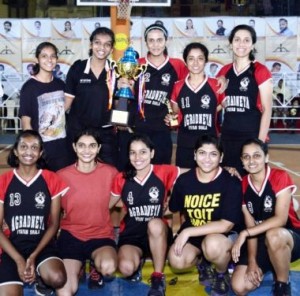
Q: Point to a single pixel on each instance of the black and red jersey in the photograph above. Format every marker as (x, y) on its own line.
(27, 205)
(159, 82)
(144, 200)
(242, 103)
(198, 110)
(261, 204)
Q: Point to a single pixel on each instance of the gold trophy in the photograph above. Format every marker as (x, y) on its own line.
(173, 121)
(129, 68)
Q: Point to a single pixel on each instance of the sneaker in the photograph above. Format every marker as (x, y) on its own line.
(282, 289)
(95, 280)
(137, 275)
(221, 284)
(41, 289)
(158, 285)
(206, 273)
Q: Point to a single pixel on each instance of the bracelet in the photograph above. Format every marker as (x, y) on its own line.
(248, 232)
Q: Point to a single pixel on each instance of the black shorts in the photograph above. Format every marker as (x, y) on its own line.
(262, 256)
(142, 241)
(70, 247)
(8, 268)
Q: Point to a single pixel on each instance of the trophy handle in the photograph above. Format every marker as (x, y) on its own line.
(140, 69)
(113, 66)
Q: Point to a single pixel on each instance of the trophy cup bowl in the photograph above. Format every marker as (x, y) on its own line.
(126, 67)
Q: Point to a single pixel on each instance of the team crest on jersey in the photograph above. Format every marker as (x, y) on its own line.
(147, 76)
(130, 198)
(268, 204)
(154, 193)
(244, 84)
(165, 79)
(205, 100)
(40, 200)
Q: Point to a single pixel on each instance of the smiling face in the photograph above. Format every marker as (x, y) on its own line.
(196, 61)
(208, 158)
(28, 151)
(86, 149)
(47, 59)
(242, 43)
(254, 159)
(156, 42)
(140, 156)
(101, 46)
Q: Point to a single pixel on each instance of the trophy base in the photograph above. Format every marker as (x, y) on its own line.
(119, 117)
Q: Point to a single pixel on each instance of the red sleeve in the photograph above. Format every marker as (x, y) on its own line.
(223, 71)
(176, 90)
(168, 174)
(213, 84)
(281, 180)
(142, 61)
(55, 184)
(262, 73)
(5, 180)
(245, 184)
(118, 184)
(180, 68)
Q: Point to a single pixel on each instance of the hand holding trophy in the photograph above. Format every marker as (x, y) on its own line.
(171, 117)
(126, 67)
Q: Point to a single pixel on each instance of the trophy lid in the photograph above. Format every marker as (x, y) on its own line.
(129, 56)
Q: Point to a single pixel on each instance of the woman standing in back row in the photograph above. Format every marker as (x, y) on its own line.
(248, 97)
(42, 106)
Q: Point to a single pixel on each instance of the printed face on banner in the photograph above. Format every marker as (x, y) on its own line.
(10, 28)
(281, 26)
(36, 28)
(66, 29)
(190, 27)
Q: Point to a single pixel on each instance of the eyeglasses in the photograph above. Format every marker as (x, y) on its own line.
(255, 156)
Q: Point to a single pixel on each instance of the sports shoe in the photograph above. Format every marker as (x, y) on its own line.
(158, 285)
(221, 284)
(281, 289)
(137, 275)
(206, 273)
(95, 280)
(41, 289)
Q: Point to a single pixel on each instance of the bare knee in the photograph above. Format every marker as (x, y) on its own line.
(211, 248)
(156, 227)
(275, 239)
(126, 267)
(57, 279)
(107, 266)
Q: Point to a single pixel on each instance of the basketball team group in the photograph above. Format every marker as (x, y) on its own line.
(82, 188)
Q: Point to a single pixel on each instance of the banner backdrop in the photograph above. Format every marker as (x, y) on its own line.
(278, 41)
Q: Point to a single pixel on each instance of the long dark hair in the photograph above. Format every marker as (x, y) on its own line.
(130, 171)
(101, 31)
(40, 47)
(252, 33)
(13, 160)
(253, 38)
